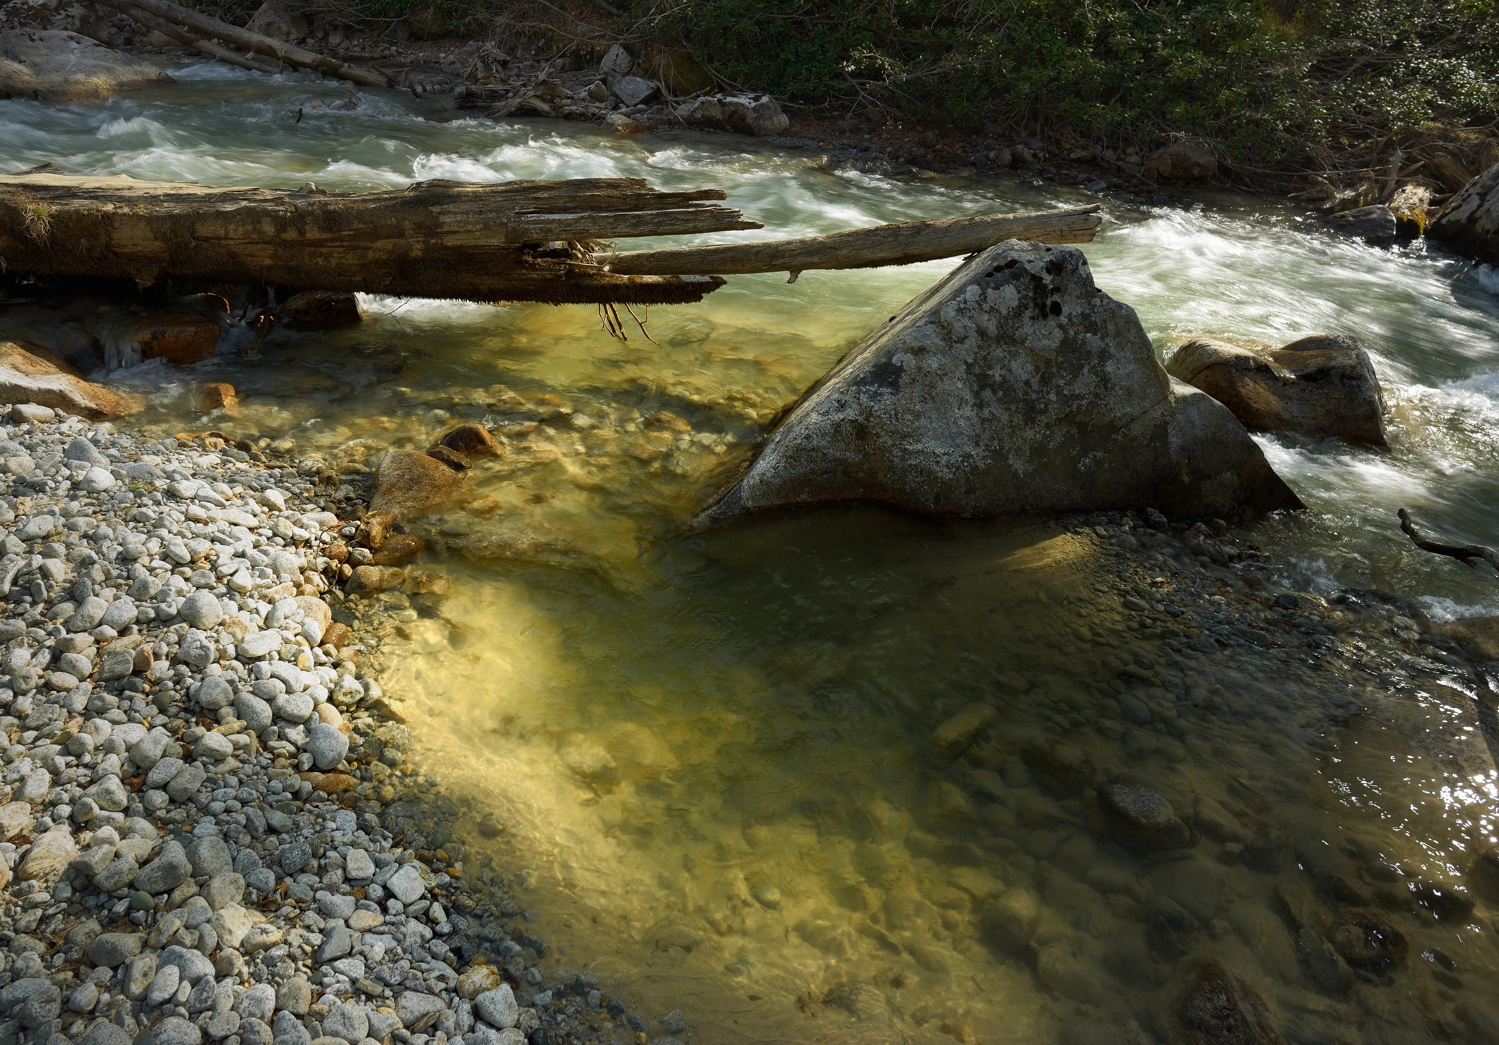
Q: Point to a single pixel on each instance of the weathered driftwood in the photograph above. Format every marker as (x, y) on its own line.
(1467, 554)
(437, 239)
(900, 244)
(245, 40)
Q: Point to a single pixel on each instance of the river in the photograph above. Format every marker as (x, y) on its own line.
(707, 755)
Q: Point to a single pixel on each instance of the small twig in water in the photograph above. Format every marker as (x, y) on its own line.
(610, 322)
(1467, 554)
(641, 324)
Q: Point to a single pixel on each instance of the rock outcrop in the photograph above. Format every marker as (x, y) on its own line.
(32, 374)
(1012, 385)
(1469, 224)
(53, 65)
(1321, 386)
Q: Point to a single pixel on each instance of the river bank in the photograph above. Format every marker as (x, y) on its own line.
(212, 831)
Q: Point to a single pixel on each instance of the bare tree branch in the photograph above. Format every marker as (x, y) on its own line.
(1467, 554)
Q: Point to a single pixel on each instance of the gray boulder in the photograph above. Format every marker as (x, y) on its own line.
(1323, 386)
(1183, 160)
(53, 65)
(1375, 224)
(1013, 385)
(1469, 224)
(632, 90)
(757, 116)
(275, 20)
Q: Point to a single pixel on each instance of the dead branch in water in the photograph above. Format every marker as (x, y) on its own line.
(1467, 554)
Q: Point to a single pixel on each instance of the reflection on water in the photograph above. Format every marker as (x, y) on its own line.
(723, 758)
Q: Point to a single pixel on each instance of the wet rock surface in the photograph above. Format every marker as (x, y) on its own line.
(1013, 385)
(35, 378)
(1323, 386)
(1469, 223)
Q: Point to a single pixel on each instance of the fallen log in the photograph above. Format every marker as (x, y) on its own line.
(904, 243)
(254, 43)
(506, 241)
(208, 47)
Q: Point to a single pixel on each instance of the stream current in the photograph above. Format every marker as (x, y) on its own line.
(711, 752)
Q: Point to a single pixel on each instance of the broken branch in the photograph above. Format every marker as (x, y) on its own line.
(1467, 554)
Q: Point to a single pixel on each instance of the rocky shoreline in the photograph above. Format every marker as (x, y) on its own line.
(211, 832)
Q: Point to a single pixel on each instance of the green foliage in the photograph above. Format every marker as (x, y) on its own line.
(1266, 80)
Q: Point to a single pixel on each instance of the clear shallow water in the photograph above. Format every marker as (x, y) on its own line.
(712, 752)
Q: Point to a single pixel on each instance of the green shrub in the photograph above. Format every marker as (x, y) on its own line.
(1267, 81)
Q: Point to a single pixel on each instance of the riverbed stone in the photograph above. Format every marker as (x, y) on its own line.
(1323, 386)
(328, 745)
(1210, 1005)
(755, 115)
(498, 1006)
(411, 1006)
(201, 609)
(114, 949)
(170, 868)
(1469, 223)
(411, 485)
(1141, 818)
(406, 884)
(49, 856)
(1012, 385)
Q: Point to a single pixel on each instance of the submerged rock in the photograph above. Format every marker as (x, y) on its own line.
(1478, 636)
(410, 485)
(1368, 942)
(1141, 819)
(1210, 1005)
(1469, 224)
(1013, 385)
(1322, 386)
(180, 338)
(31, 374)
(53, 65)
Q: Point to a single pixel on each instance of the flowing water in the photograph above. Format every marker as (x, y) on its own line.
(711, 752)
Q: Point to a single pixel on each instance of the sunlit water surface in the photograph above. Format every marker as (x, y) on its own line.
(711, 752)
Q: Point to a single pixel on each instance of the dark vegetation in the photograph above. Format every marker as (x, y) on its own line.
(1278, 85)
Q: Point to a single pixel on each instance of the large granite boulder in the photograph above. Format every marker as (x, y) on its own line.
(54, 65)
(1469, 224)
(1322, 386)
(1012, 385)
